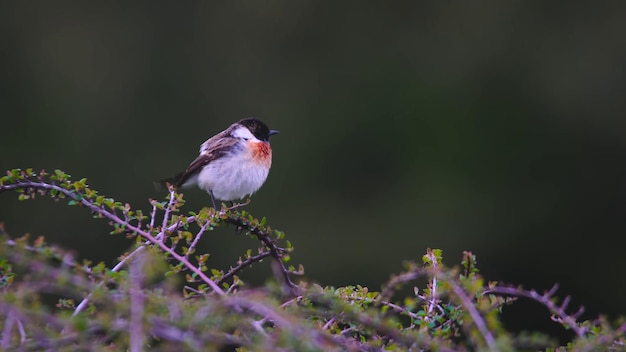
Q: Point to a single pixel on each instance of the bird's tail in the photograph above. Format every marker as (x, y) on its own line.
(162, 184)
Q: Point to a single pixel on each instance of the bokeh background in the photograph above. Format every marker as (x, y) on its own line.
(495, 127)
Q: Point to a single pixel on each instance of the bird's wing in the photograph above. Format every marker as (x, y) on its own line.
(214, 148)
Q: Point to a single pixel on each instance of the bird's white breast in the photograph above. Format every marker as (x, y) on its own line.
(233, 176)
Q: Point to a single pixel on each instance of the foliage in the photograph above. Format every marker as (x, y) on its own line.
(163, 295)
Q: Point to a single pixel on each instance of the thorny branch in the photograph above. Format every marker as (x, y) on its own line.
(115, 219)
(242, 265)
(111, 213)
(559, 313)
(477, 318)
(275, 251)
(432, 302)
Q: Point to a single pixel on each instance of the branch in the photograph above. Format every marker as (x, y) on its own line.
(193, 245)
(478, 320)
(398, 280)
(432, 302)
(115, 219)
(137, 302)
(559, 313)
(58, 185)
(275, 251)
(297, 329)
(83, 304)
(243, 264)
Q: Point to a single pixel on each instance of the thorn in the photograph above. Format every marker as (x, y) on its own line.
(565, 303)
(580, 312)
(553, 290)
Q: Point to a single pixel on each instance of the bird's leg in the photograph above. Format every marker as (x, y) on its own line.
(212, 199)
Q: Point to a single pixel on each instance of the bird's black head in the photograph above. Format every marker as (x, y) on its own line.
(258, 128)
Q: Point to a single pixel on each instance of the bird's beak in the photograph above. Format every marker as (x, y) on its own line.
(273, 132)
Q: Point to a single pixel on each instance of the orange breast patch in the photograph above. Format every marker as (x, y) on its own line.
(261, 152)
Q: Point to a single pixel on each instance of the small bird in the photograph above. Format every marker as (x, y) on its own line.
(232, 164)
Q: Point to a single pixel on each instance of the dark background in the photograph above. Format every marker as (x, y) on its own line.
(497, 128)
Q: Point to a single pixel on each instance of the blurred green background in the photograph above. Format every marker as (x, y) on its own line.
(494, 127)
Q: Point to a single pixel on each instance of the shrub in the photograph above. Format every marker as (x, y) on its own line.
(140, 303)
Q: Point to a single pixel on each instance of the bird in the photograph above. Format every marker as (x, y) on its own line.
(232, 164)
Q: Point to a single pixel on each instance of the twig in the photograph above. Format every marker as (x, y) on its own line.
(66, 259)
(399, 309)
(559, 312)
(6, 332)
(293, 300)
(433, 285)
(83, 304)
(238, 205)
(22, 331)
(388, 290)
(274, 250)
(258, 326)
(186, 287)
(251, 260)
(478, 320)
(396, 308)
(197, 239)
(152, 214)
(196, 341)
(351, 317)
(135, 331)
(166, 216)
(328, 323)
(270, 314)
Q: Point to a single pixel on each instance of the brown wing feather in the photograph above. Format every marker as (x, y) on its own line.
(214, 148)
